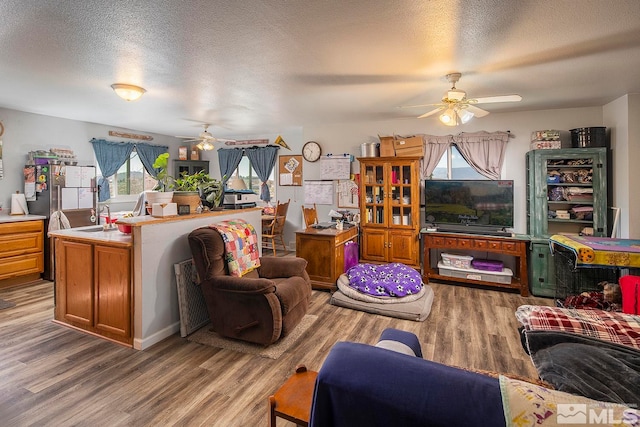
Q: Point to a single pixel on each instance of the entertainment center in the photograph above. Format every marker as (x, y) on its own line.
(515, 246)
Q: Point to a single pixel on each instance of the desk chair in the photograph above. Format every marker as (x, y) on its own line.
(276, 228)
(309, 215)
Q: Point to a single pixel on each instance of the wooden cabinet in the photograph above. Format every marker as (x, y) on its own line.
(93, 288)
(461, 243)
(189, 166)
(566, 193)
(324, 251)
(390, 209)
(21, 252)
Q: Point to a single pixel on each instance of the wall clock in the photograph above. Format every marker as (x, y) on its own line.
(311, 151)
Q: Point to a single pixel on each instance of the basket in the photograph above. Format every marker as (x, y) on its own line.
(574, 281)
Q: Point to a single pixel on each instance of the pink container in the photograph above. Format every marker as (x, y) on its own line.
(487, 264)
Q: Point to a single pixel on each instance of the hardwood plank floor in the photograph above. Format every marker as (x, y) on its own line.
(53, 375)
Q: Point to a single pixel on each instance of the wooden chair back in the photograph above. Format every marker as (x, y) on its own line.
(276, 228)
(309, 215)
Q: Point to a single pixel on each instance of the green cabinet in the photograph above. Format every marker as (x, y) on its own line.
(566, 193)
(189, 166)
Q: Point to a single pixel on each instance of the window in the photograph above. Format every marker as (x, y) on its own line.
(130, 180)
(246, 172)
(453, 166)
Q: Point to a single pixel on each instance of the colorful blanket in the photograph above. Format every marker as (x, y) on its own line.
(600, 251)
(386, 280)
(609, 326)
(240, 244)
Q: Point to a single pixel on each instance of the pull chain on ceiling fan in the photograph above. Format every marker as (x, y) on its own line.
(457, 108)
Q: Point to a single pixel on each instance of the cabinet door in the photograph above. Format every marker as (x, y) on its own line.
(74, 282)
(373, 198)
(542, 271)
(403, 192)
(374, 245)
(112, 290)
(403, 247)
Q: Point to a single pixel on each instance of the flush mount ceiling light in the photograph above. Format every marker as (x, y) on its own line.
(128, 92)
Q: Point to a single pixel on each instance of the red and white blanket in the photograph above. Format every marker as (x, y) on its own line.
(610, 326)
(240, 244)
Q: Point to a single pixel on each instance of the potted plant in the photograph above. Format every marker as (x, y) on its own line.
(161, 193)
(196, 188)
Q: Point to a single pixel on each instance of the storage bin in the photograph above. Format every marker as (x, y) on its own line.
(458, 261)
(487, 264)
(503, 276)
(589, 137)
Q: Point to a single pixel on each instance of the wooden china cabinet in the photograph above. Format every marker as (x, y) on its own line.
(390, 209)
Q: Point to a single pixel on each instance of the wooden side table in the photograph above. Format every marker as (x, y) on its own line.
(324, 251)
(292, 401)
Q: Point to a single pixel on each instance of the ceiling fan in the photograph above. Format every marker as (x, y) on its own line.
(205, 141)
(457, 108)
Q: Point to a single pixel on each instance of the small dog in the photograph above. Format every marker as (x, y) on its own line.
(611, 291)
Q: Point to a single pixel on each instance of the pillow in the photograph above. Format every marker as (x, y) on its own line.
(400, 341)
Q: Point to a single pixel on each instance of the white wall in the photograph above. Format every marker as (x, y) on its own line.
(25, 132)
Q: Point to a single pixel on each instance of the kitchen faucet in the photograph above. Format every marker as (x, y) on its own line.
(108, 223)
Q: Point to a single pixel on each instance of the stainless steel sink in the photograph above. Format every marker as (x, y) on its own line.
(96, 229)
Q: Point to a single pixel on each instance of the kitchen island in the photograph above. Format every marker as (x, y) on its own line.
(139, 264)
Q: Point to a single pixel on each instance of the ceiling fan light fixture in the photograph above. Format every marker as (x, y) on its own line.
(128, 92)
(465, 116)
(205, 145)
(449, 117)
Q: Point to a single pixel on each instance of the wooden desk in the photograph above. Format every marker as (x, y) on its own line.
(458, 242)
(324, 251)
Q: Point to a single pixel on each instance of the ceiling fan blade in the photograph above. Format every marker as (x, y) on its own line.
(499, 98)
(421, 105)
(432, 112)
(225, 140)
(478, 112)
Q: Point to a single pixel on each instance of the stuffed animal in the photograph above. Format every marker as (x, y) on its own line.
(612, 293)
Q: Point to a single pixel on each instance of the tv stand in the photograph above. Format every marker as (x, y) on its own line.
(461, 242)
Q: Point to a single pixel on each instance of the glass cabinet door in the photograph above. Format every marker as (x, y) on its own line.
(401, 212)
(374, 194)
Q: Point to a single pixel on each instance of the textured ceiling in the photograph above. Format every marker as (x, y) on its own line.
(255, 66)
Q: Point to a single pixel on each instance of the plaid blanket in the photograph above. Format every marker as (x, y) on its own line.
(240, 245)
(609, 326)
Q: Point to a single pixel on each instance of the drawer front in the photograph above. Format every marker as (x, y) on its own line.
(19, 244)
(509, 246)
(21, 265)
(436, 240)
(480, 244)
(21, 227)
(465, 243)
(494, 245)
(451, 242)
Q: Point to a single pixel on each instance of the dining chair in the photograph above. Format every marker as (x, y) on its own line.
(275, 230)
(309, 215)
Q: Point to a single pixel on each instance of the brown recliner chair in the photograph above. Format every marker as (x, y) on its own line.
(261, 306)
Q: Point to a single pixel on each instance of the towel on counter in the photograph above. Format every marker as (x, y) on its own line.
(241, 246)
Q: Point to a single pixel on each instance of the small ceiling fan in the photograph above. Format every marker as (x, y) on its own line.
(205, 141)
(457, 108)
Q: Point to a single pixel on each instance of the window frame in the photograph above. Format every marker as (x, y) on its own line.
(113, 182)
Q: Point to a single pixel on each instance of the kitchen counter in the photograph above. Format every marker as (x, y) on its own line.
(94, 233)
(6, 217)
(154, 246)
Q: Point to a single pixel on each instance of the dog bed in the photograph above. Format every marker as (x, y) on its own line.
(417, 307)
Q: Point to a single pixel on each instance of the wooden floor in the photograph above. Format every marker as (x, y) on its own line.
(52, 375)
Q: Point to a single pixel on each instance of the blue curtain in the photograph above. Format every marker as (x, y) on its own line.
(148, 154)
(110, 156)
(228, 159)
(262, 160)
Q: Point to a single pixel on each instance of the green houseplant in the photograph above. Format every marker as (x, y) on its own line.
(208, 189)
(161, 192)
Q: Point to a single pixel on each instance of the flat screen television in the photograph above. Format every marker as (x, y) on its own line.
(482, 204)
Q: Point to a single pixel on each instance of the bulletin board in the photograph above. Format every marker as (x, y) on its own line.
(290, 170)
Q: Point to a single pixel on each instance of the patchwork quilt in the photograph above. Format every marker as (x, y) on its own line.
(615, 327)
(241, 246)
